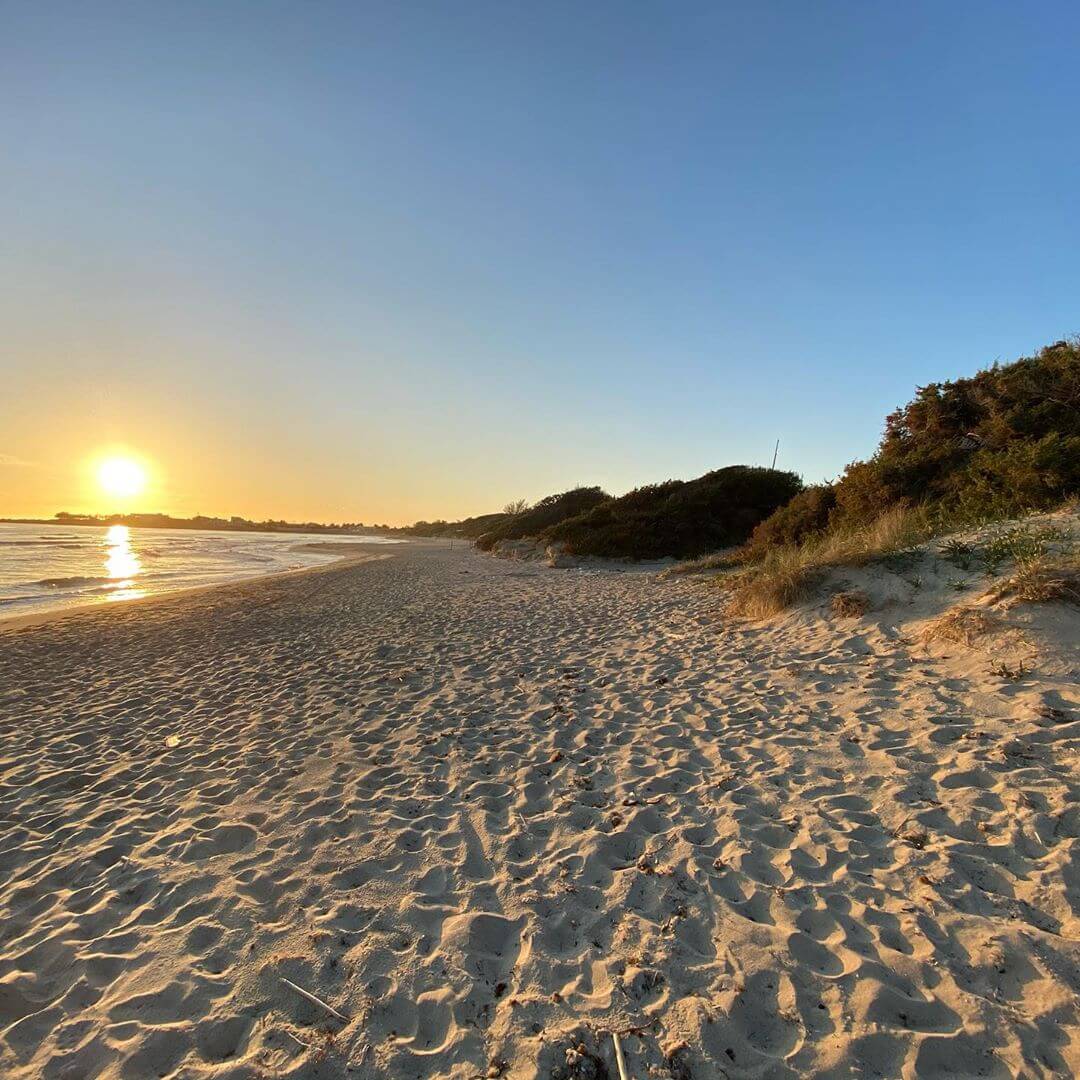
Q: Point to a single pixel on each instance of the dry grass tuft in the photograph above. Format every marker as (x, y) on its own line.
(962, 625)
(781, 581)
(716, 560)
(850, 604)
(788, 574)
(1042, 581)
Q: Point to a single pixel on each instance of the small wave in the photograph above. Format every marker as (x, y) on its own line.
(69, 582)
(43, 543)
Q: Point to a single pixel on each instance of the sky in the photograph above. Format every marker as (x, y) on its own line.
(386, 261)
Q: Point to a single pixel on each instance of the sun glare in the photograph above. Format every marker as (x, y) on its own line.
(121, 477)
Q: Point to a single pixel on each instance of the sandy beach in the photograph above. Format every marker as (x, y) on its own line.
(443, 815)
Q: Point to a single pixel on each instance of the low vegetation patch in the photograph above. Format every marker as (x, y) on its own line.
(1043, 580)
(717, 560)
(1009, 672)
(781, 580)
(849, 604)
(1022, 547)
(961, 625)
(787, 574)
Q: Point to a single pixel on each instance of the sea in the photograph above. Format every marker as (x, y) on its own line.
(49, 567)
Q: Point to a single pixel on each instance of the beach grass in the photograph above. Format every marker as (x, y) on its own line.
(787, 574)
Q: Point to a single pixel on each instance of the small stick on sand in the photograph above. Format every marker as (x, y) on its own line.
(623, 1074)
(313, 999)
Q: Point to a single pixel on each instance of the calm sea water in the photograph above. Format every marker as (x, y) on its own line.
(44, 567)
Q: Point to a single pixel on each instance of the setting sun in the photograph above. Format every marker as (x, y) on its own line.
(121, 477)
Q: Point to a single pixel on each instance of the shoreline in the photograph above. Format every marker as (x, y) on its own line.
(81, 610)
(220, 528)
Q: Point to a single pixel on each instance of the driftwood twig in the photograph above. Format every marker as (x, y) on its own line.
(619, 1060)
(313, 999)
(299, 1042)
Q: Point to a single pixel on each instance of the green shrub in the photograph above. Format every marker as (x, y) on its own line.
(678, 518)
(543, 515)
(805, 515)
(1005, 441)
(959, 553)
(1016, 545)
(1025, 475)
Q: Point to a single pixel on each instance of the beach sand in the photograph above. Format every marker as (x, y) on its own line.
(489, 813)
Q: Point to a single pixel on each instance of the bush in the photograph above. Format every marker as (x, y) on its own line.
(806, 515)
(543, 515)
(1026, 475)
(468, 528)
(1003, 442)
(678, 518)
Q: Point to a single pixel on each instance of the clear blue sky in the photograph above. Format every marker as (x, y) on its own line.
(385, 260)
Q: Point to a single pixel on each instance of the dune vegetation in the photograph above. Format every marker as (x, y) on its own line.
(1004, 442)
(776, 577)
(466, 529)
(526, 521)
(673, 519)
(679, 518)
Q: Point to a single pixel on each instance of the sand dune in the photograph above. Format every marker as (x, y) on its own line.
(490, 812)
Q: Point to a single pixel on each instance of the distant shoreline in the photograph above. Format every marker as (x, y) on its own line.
(202, 526)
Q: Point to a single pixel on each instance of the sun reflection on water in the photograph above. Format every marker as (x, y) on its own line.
(122, 564)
